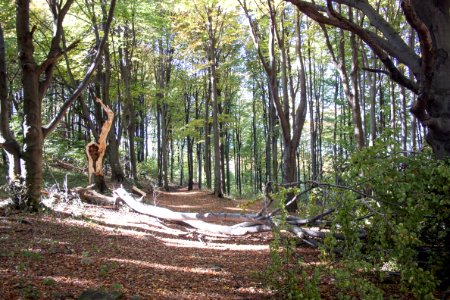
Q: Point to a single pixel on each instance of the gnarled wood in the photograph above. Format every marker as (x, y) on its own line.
(90, 196)
(247, 223)
(96, 151)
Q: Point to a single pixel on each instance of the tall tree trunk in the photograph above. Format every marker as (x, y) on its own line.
(207, 150)
(286, 115)
(162, 73)
(190, 143)
(312, 122)
(32, 124)
(129, 113)
(165, 145)
(255, 142)
(198, 145)
(218, 191)
(159, 144)
(114, 135)
(349, 83)
(7, 140)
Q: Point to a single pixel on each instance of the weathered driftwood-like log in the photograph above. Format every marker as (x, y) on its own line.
(249, 223)
(96, 151)
(90, 196)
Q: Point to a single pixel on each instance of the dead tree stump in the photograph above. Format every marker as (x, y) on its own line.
(95, 152)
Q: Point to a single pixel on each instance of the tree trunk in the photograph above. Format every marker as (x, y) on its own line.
(432, 108)
(36, 80)
(32, 124)
(198, 145)
(129, 113)
(114, 135)
(218, 192)
(95, 152)
(207, 149)
(7, 140)
(190, 142)
(165, 145)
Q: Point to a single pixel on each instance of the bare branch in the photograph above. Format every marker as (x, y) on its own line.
(53, 123)
(378, 45)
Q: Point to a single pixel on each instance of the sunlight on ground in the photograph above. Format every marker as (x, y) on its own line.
(215, 246)
(145, 264)
(184, 193)
(184, 206)
(71, 280)
(5, 202)
(235, 209)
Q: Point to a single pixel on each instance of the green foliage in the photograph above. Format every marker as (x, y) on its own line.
(86, 259)
(286, 274)
(70, 150)
(31, 255)
(29, 292)
(148, 169)
(107, 268)
(48, 281)
(393, 211)
(410, 214)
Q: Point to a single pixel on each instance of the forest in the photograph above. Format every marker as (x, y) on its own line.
(268, 149)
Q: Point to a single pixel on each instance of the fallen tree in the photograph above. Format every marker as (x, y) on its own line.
(242, 224)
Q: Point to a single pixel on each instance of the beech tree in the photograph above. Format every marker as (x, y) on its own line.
(429, 63)
(36, 78)
(290, 114)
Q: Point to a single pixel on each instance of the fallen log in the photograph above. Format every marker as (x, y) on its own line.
(250, 223)
(91, 196)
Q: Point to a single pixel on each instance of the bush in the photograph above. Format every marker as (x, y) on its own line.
(394, 213)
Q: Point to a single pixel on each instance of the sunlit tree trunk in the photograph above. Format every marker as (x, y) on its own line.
(129, 112)
(207, 131)
(7, 140)
(190, 142)
(198, 145)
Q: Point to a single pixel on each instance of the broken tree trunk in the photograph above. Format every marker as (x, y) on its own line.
(195, 220)
(96, 152)
(247, 223)
(88, 195)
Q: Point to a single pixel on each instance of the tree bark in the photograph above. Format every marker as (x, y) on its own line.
(7, 140)
(198, 145)
(95, 151)
(207, 131)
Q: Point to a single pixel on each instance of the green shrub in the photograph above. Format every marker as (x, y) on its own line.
(393, 211)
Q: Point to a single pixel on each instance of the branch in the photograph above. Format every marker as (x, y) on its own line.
(48, 66)
(379, 46)
(376, 71)
(394, 45)
(55, 56)
(254, 34)
(53, 123)
(426, 49)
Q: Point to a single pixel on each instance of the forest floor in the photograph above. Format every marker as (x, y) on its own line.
(77, 246)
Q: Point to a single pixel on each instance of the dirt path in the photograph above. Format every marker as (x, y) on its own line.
(59, 255)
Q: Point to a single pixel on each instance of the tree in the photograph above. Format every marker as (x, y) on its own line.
(291, 116)
(36, 79)
(429, 64)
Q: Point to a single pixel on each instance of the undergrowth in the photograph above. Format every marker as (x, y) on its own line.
(393, 211)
